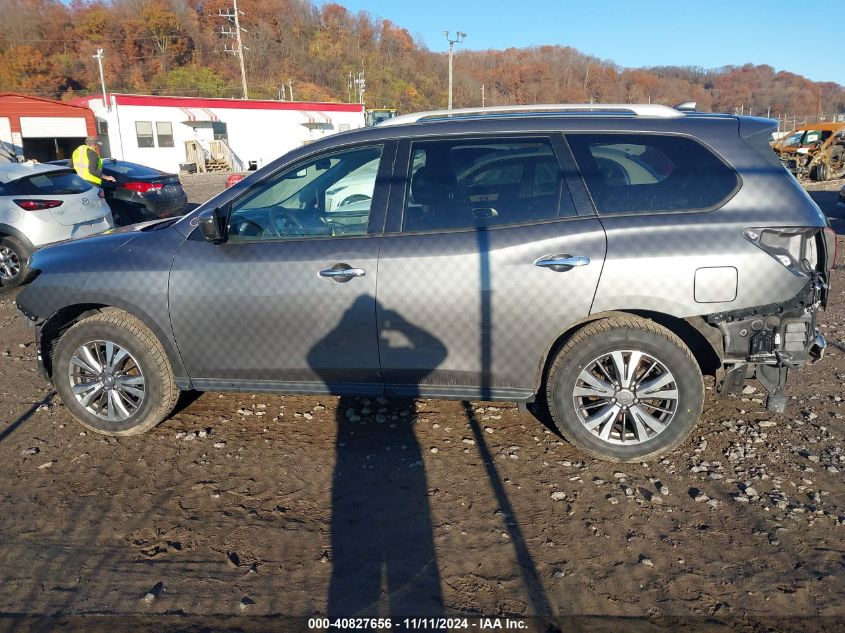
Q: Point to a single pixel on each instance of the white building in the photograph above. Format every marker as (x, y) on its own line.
(236, 134)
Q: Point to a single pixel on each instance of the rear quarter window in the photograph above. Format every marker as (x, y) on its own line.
(649, 173)
(50, 183)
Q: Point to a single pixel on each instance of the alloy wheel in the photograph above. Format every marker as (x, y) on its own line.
(626, 397)
(107, 380)
(10, 263)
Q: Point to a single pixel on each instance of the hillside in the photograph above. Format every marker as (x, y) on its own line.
(174, 47)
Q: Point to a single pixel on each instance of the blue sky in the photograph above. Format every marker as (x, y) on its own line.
(640, 33)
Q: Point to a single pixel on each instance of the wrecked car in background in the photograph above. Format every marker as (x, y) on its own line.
(814, 150)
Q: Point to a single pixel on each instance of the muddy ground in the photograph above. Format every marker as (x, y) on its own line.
(244, 506)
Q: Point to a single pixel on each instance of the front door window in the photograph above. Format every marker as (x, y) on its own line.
(328, 196)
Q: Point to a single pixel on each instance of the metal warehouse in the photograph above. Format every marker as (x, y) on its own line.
(41, 129)
(170, 133)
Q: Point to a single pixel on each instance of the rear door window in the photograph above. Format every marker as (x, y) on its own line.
(640, 173)
(50, 183)
(474, 183)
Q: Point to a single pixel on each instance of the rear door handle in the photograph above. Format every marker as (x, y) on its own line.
(562, 263)
(342, 273)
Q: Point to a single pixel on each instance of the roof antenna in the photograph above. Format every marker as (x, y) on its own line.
(686, 106)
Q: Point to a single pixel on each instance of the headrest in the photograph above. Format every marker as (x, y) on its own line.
(430, 186)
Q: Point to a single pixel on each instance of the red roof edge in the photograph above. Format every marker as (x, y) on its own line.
(72, 104)
(243, 104)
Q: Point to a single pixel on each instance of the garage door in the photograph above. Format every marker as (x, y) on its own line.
(53, 127)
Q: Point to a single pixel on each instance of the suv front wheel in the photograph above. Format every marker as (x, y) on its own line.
(625, 389)
(113, 374)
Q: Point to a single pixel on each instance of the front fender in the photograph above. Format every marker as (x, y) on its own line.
(128, 271)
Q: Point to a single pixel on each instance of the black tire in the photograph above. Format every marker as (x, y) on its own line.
(146, 353)
(13, 257)
(602, 337)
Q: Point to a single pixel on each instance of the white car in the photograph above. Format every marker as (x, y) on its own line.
(41, 204)
(353, 189)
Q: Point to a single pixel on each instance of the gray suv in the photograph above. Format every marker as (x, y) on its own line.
(598, 259)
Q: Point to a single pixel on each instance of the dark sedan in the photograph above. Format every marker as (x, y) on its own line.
(140, 193)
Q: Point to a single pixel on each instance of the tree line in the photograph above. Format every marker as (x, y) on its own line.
(175, 47)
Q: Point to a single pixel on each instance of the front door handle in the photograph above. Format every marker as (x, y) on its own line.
(562, 263)
(342, 273)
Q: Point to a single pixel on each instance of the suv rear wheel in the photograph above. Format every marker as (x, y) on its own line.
(13, 256)
(625, 389)
(112, 373)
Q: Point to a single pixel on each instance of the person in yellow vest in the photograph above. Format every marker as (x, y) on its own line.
(87, 162)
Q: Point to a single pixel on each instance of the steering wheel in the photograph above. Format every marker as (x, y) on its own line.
(249, 228)
(284, 223)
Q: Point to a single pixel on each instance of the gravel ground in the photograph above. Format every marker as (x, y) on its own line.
(201, 187)
(243, 506)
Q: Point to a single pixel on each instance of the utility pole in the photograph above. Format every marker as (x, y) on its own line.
(459, 38)
(482, 95)
(234, 17)
(99, 58)
(359, 84)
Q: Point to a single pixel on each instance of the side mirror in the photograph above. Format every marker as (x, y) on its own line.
(210, 223)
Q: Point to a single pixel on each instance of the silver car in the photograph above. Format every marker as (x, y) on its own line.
(41, 204)
(598, 258)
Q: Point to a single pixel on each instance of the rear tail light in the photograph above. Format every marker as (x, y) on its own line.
(832, 248)
(234, 179)
(38, 205)
(796, 248)
(142, 187)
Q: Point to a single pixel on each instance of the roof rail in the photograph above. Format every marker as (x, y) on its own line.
(637, 109)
